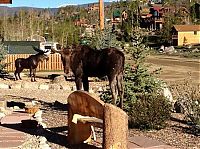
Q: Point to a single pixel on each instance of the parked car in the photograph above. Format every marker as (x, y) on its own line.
(47, 46)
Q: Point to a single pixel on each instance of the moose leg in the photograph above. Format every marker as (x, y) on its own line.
(113, 87)
(31, 71)
(17, 73)
(120, 88)
(16, 78)
(78, 81)
(34, 73)
(85, 83)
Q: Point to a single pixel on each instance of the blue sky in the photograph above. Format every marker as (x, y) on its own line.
(49, 3)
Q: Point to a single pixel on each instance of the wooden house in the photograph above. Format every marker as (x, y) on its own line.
(185, 35)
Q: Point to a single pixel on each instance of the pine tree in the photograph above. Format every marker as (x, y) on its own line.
(2, 57)
(145, 106)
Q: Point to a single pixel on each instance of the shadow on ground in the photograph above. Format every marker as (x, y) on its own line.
(186, 128)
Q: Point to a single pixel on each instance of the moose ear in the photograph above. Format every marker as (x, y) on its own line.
(56, 51)
(37, 49)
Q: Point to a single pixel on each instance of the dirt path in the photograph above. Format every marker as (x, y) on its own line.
(175, 69)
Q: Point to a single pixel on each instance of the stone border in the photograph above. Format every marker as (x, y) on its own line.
(47, 86)
(35, 85)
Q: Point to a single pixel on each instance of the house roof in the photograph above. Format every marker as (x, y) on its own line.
(21, 47)
(182, 28)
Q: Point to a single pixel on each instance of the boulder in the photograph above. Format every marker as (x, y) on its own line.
(59, 79)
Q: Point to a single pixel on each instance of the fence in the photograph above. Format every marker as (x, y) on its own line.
(53, 64)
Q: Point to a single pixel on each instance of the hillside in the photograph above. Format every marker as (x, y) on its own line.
(10, 11)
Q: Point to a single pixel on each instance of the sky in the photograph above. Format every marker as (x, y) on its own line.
(48, 3)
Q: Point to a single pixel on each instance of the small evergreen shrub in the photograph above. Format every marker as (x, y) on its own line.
(2, 57)
(104, 39)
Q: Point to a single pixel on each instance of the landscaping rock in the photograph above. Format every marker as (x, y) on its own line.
(54, 86)
(30, 85)
(65, 86)
(73, 88)
(42, 140)
(16, 86)
(43, 124)
(43, 86)
(4, 86)
(38, 114)
(16, 108)
(59, 79)
(2, 103)
(44, 146)
(2, 115)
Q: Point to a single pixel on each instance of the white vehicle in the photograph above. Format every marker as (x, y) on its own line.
(47, 46)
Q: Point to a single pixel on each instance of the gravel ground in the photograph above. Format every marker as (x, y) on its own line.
(54, 108)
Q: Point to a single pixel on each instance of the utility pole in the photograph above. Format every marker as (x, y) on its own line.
(101, 14)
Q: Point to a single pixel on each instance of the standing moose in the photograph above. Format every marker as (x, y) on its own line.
(87, 62)
(30, 63)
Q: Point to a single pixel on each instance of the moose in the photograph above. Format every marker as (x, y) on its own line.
(30, 63)
(85, 62)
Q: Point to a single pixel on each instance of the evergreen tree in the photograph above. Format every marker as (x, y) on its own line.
(2, 57)
(146, 106)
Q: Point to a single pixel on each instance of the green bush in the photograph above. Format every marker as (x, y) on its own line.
(149, 111)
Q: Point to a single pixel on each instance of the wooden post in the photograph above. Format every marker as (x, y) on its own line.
(115, 128)
(101, 14)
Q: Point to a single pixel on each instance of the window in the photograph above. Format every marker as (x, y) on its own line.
(195, 32)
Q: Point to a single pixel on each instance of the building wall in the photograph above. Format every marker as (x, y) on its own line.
(190, 37)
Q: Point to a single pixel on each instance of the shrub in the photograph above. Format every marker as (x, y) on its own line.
(188, 95)
(149, 111)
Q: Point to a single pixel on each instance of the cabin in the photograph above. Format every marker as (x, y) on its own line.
(185, 35)
(157, 14)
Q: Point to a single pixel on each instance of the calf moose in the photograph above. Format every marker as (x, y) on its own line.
(87, 62)
(30, 63)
